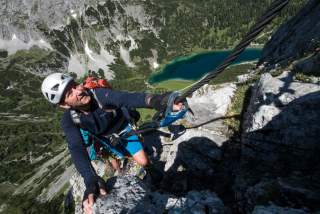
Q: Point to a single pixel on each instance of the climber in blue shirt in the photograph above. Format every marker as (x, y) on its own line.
(98, 112)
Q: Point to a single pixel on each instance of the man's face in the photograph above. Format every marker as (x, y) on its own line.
(76, 96)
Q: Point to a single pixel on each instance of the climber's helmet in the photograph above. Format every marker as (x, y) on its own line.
(54, 86)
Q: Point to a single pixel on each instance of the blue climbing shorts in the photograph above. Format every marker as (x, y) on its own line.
(133, 144)
(128, 146)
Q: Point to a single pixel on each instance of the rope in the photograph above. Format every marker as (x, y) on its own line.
(265, 19)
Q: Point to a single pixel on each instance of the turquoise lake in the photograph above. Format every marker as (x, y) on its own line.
(194, 67)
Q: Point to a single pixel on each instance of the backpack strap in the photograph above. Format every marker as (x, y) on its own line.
(75, 116)
(96, 98)
(113, 111)
(126, 112)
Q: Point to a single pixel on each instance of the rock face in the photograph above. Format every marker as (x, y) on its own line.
(293, 39)
(130, 195)
(208, 103)
(194, 160)
(17, 18)
(126, 194)
(280, 145)
(273, 170)
(309, 65)
(278, 103)
(89, 34)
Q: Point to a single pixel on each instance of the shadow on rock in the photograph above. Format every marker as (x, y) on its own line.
(280, 161)
(110, 183)
(201, 165)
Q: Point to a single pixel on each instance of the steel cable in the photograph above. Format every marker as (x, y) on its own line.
(265, 19)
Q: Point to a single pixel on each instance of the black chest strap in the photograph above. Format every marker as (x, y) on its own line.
(75, 115)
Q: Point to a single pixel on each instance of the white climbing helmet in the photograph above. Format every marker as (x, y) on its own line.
(54, 85)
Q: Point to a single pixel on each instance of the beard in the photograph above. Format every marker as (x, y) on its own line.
(83, 102)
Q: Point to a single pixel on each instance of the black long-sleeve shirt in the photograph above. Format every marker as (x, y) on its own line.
(97, 121)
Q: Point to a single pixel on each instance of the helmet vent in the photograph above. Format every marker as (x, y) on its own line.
(55, 87)
(64, 76)
(52, 96)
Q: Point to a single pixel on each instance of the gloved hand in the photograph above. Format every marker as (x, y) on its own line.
(91, 194)
(159, 101)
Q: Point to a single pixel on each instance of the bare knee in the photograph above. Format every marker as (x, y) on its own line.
(141, 158)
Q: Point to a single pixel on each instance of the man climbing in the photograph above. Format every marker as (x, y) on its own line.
(100, 112)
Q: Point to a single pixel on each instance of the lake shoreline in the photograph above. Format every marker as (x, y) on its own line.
(209, 59)
(196, 53)
(228, 76)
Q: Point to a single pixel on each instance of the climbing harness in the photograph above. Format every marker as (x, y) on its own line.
(110, 140)
(98, 145)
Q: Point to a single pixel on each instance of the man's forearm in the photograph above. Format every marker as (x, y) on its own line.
(83, 165)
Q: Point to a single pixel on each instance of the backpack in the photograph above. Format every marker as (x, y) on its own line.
(92, 82)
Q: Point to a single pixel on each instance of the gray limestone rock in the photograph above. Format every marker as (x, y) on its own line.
(244, 77)
(280, 145)
(22, 17)
(196, 202)
(210, 103)
(124, 194)
(282, 118)
(87, 34)
(128, 194)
